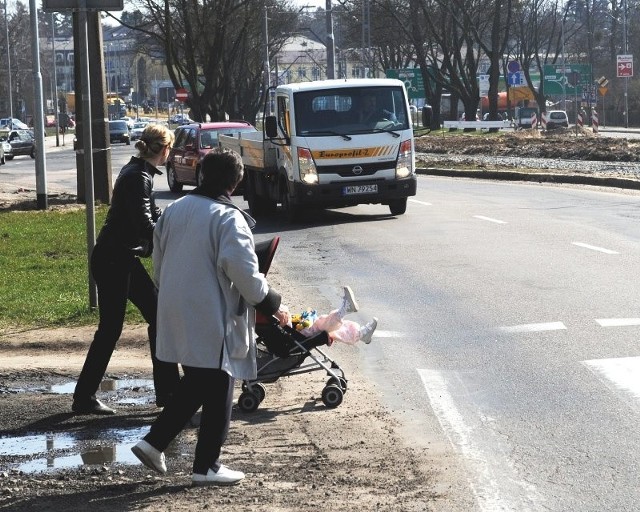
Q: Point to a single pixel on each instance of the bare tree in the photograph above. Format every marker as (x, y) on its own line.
(214, 48)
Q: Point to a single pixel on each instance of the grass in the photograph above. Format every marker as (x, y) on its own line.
(44, 269)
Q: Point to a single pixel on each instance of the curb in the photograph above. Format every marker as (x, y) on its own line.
(574, 179)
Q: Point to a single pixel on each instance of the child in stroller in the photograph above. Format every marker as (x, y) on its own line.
(282, 350)
(345, 331)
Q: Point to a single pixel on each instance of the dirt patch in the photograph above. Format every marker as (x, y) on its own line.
(298, 455)
(556, 144)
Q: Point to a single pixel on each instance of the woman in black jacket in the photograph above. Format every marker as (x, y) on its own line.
(127, 236)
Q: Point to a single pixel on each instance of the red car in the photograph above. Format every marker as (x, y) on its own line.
(193, 142)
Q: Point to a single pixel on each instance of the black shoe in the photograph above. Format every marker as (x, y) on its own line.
(93, 406)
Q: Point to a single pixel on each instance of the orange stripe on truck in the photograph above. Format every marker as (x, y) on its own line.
(352, 153)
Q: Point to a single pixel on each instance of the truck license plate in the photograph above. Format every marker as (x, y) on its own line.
(360, 189)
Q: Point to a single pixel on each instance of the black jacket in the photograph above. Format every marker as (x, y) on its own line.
(133, 212)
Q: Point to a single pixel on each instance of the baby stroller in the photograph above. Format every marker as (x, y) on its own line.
(282, 351)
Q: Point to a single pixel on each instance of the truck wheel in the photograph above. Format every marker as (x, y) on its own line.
(291, 212)
(398, 206)
(172, 180)
(258, 206)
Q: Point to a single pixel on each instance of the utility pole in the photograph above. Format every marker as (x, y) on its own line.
(38, 123)
(6, 25)
(331, 49)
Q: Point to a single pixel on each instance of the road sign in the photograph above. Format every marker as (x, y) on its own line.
(556, 78)
(513, 66)
(625, 66)
(181, 94)
(90, 5)
(516, 79)
(412, 78)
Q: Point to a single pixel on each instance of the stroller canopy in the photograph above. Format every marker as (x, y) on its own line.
(265, 251)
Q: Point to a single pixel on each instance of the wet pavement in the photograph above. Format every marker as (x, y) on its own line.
(47, 451)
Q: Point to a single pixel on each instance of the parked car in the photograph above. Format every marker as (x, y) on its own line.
(557, 119)
(119, 132)
(193, 142)
(137, 129)
(180, 119)
(7, 151)
(21, 142)
(13, 124)
(129, 120)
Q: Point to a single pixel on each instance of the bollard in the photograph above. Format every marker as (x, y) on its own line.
(594, 121)
(580, 122)
(534, 121)
(543, 120)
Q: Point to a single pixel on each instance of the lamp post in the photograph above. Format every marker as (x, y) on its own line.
(6, 24)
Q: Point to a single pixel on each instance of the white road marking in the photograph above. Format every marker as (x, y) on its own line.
(387, 334)
(420, 202)
(489, 219)
(595, 248)
(622, 372)
(493, 473)
(617, 322)
(549, 326)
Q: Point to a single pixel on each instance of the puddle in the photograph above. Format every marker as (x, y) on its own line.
(67, 388)
(48, 452)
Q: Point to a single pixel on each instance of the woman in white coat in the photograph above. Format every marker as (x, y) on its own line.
(208, 287)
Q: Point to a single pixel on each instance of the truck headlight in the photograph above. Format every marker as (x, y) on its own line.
(404, 163)
(308, 171)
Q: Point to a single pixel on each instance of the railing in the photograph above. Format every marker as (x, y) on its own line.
(477, 124)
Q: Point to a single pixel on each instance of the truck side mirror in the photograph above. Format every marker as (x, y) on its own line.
(271, 127)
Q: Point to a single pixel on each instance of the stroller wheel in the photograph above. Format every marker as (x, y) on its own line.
(332, 396)
(248, 402)
(259, 390)
(340, 382)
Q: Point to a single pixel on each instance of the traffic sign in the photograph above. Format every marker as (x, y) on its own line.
(181, 94)
(625, 66)
(557, 78)
(515, 79)
(513, 66)
(412, 78)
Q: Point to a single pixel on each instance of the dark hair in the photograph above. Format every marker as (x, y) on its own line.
(222, 169)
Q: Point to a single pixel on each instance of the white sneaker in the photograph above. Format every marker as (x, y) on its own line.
(150, 457)
(349, 304)
(366, 331)
(224, 476)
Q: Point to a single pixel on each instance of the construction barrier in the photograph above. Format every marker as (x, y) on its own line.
(543, 120)
(594, 121)
(534, 121)
(580, 122)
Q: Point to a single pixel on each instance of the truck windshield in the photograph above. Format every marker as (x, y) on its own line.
(350, 111)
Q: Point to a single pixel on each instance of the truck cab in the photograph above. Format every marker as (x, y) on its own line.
(333, 143)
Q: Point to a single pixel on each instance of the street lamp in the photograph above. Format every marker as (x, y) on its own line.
(6, 24)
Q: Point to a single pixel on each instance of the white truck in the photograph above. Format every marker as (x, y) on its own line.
(330, 143)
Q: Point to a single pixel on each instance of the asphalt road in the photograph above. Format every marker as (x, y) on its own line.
(508, 329)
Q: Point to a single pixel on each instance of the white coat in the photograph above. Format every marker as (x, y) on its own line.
(207, 274)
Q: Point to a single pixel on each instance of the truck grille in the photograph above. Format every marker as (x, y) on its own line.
(347, 170)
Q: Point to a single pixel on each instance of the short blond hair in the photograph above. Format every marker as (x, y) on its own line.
(153, 140)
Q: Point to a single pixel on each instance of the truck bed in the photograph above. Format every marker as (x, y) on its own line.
(256, 152)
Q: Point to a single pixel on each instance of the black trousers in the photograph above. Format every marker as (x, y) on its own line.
(120, 277)
(211, 389)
